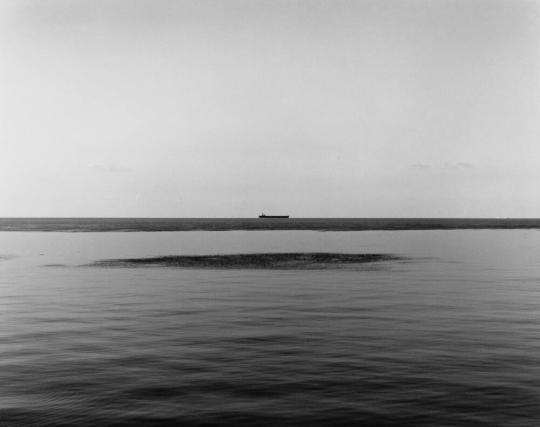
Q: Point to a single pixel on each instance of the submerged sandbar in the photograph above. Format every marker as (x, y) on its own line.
(280, 261)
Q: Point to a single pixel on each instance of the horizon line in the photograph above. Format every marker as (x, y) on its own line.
(256, 217)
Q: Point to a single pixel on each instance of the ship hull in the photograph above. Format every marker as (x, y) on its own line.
(273, 216)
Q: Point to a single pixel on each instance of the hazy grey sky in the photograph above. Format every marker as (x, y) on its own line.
(307, 107)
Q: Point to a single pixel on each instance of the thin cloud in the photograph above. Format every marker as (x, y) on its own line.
(446, 166)
(459, 165)
(421, 166)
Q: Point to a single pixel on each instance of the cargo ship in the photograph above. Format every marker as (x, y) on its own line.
(273, 216)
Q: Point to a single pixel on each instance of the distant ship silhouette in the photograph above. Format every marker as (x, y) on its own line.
(273, 216)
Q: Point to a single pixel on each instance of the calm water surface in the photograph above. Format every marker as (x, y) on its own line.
(451, 336)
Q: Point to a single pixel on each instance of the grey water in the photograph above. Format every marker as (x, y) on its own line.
(221, 224)
(446, 335)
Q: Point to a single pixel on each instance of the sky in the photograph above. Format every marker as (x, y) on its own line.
(312, 108)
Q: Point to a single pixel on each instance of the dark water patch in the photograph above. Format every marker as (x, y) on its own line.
(224, 224)
(278, 261)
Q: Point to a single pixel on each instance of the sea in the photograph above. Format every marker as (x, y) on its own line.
(446, 332)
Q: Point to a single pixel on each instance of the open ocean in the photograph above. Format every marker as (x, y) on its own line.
(447, 333)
